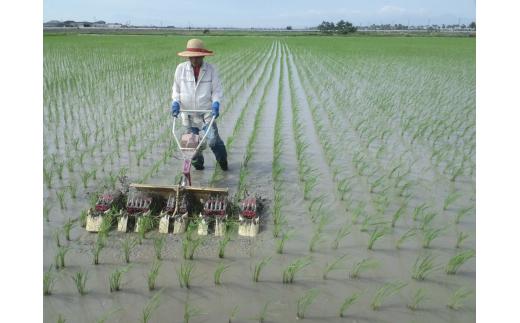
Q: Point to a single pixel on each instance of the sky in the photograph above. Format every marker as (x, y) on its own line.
(265, 13)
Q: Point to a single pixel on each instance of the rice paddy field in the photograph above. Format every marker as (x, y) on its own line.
(363, 148)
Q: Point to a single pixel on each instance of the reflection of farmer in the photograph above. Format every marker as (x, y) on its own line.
(196, 86)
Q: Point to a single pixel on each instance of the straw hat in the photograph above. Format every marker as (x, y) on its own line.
(194, 48)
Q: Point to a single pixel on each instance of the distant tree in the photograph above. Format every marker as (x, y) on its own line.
(206, 31)
(288, 27)
(472, 25)
(326, 26)
(342, 27)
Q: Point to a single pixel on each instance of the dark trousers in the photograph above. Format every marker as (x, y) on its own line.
(214, 142)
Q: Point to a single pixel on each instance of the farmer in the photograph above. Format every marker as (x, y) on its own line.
(196, 86)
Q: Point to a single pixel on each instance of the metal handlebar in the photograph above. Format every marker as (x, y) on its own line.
(205, 132)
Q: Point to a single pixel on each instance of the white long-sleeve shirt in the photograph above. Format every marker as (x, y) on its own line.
(196, 95)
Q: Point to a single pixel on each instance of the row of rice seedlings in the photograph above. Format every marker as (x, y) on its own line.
(153, 274)
(221, 268)
(293, 268)
(259, 266)
(254, 133)
(184, 274)
(347, 302)
(363, 266)
(80, 280)
(305, 301)
(385, 291)
(458, 260)
(334, 265)
(115, 278)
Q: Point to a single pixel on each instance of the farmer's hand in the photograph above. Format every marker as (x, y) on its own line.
(176, 108)
(215, 107)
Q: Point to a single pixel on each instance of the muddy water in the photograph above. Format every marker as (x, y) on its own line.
(217, 302)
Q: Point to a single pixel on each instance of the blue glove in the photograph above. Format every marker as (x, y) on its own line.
(215, 107)
(176, 108)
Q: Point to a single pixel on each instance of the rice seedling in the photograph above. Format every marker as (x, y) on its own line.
(146, 223)
(107, 315)
(158, 246)
(73, 189)
(80, 280)
(462, 213)
(375, 235)
(152, 274)
(232, 314)
(427, 219)
(416, 299)
(115, 278)
(67, 227)
(190, 246)
(458, 297)
(221, 268)
(385, 291)
(262, 315)
(340, 235)
(398, 214)
(85, 177)
(280, 243)
(450, 199)
(98, 247)
(127, 245)
(458, 260)
(461, 236)
(190, 311)
(222, 245)
(423, 266)
(305, 301)
(363, 266)
(418, 211)
(61, 319)
(184, 274)
(429, 235)
(56, 237)
(334, 265)
(347, 302)
(60, 257)
(317, 237)
(47, 177)
(48, 282)
(61, 198)
(258, 268)
(407, 235)
(293, 268)
(150, 307)
(47, 211)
